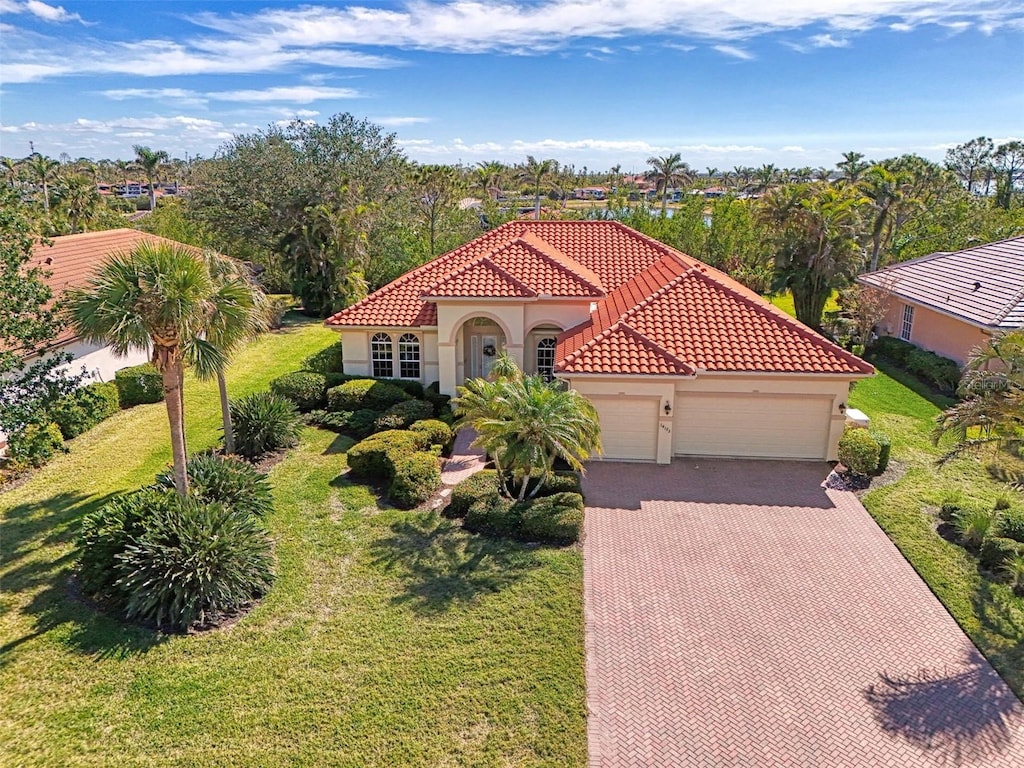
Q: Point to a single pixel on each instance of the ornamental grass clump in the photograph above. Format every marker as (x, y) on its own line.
(225, 480)
(263, 423)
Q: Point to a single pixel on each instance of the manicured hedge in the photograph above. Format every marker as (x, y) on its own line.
(477, 486)
(858, 452)
(494, 515)
(327, 360)
(884, 449)
(432, 395)
(308, 390)
(555, 519)
(375, 457)
(365, 393)
(85, 408)
(138, 385)
(403, 415)
(940, 372)
(892, 348)
(416, 478)
(35, 444)
(437, 432)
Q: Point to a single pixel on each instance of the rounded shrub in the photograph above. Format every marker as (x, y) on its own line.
(327, 360)
(432, 395)
(859, 452)
(85, 408)
(362, 422)
(194, 563)
(411, 387)
(306, 389)
(884, 449)
(402, 415)
(105, 533)
(35, 444)
(388, 421)
(264, 422)
(416, 478)
(561, 482)
(138, 385)
(225, 480)
(477, 486)
(436, 432)
(493, 514)
(554, 519)
(365, 393)
(336, 422)
(1011, 524)
(376, 456)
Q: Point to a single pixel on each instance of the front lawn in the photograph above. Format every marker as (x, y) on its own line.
(987, 611)
(390, 638)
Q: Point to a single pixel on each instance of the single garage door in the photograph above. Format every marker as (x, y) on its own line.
(756, 425)
(629, 427)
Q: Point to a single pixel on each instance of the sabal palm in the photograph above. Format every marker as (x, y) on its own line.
(160, 295)
(238, 313)
(669, 172)
(538, 175)
(149, 161)
(993, 397)
(487, 177)
(43, 170)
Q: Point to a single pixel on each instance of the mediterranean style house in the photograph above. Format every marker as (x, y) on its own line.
(950, 303)
(678, 358)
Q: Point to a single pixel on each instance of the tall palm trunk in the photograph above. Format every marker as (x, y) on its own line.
(229, 431)
(172, 374)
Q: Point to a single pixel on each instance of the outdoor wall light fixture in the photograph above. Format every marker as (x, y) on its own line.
(842, 407)
(668, 408)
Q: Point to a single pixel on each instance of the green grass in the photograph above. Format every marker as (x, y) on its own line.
(390, 638)
(988, 612)
(784, 301)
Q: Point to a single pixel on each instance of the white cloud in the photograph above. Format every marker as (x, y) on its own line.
(300, 94)
(178, 95)
(734, 51)
(46, 12)
(395, 122)
(827, 41)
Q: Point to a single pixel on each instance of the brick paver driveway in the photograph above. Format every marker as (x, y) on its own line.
(739, 614)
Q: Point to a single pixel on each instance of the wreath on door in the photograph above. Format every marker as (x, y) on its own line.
(490, 350)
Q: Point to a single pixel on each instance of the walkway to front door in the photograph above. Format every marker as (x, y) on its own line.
(739, 614)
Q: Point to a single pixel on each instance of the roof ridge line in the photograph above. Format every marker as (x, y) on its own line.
(773, 312)
(1014, 303)
(486, 262)
(655, 345)
(583, 274)
(659, 292)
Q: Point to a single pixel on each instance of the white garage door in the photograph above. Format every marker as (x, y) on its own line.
(760, 425)
(629, 427)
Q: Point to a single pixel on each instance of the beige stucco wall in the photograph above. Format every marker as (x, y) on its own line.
(934, 331)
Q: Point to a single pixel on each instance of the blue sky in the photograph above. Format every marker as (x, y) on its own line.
(590, 82)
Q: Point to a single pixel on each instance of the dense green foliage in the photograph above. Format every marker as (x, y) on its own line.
(85, 408)
(435, 432)
(327, 360)
(35, 444)
(402, 415)
(417, 477)
(375, 456)
(225, 480)
(365, 393)
(264, 422)
(884, 449)
(306, 389)
(139, 385)
(554, 519)
(480, 485)
(858, 451)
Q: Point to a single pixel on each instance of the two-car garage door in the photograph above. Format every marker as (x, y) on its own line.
(756, 425)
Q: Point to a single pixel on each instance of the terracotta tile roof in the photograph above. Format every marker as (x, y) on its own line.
(703, 320)
(71, 259)
(557, 258)
(983, 285)
(658, 312)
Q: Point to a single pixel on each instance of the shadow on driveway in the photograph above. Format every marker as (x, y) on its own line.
(623, 485)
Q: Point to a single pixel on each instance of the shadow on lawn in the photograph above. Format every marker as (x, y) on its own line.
(442, 566)
(1002, 615)
(966, 717)
(37, 561)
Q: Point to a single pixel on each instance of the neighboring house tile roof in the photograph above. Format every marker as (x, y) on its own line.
(983, 285)
(657, 311)
(71, 259)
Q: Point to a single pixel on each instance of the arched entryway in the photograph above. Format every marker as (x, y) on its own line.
(479, 342)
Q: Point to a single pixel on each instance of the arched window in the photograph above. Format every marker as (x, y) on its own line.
(546, 357)
(380, 355)
(408, 356)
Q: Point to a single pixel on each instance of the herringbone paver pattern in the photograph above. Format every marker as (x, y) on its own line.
(726, 627)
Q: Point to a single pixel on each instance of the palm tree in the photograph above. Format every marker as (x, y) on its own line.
(79, 198)
(487, 177)
(238, 313)
(852, 166)
(669, 172)
(43, 170)
(526, 423)
(149, 161)
(157, 295)
(884, 189)
(537, 174)
(765, 178)
(11, 167)
(993, 398)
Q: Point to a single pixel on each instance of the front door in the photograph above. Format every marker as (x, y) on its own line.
(488, 354)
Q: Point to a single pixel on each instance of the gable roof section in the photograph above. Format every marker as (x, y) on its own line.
(983, 285)
(480, 278)
(72, 259)
(573, 259)
(622, 350)
(702, 320)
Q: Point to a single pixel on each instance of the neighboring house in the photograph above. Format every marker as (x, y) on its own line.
(677, 357)
(70, 261)
(950, 303)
